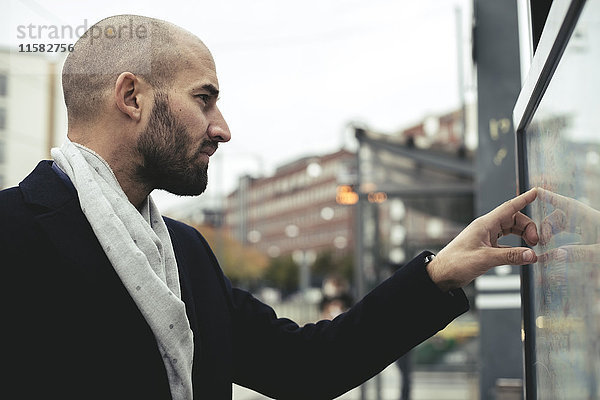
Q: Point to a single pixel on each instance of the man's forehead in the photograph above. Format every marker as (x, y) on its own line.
(199, 75)
(197, 66)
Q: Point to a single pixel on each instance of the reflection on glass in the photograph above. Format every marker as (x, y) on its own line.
(562, 145)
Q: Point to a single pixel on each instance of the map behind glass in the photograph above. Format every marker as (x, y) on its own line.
(562, 147)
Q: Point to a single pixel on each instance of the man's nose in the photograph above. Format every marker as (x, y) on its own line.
(218, 129)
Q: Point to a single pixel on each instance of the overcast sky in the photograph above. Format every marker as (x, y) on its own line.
(294, 74)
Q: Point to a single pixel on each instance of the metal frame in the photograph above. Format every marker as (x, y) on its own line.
(553, 41)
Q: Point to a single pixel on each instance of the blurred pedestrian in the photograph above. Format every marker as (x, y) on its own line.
(336, 296)
(405, 366)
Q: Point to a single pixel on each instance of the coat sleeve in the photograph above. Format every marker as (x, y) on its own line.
(278, 358)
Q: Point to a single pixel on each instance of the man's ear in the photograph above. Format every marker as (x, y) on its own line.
(128, 94)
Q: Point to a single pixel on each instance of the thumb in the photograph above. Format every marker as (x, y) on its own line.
(512, 256)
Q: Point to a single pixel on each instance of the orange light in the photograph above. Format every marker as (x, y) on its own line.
(345, 195)
(377, 197)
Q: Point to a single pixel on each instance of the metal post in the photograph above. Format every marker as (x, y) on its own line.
(461, 73)
(376, 250)
(496, 51)
(359, 281)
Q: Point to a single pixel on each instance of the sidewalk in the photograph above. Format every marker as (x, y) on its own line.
(425, 386)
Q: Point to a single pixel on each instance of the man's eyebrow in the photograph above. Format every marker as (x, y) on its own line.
(211, 89)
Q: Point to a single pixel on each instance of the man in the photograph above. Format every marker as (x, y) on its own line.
(107, 300)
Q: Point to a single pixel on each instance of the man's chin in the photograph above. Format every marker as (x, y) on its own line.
(185, 190)
(189, 192)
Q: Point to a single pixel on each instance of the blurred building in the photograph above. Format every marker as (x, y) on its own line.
(444, 133)
(296, 208)
(32, 112)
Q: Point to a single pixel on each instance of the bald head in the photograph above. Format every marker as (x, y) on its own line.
(149, 48)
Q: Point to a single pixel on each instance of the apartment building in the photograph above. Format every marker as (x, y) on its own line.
(296, 208)
(32, 112)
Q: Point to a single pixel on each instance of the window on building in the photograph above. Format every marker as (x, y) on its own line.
(3, 84)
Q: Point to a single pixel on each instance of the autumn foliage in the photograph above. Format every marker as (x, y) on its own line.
(240, 263)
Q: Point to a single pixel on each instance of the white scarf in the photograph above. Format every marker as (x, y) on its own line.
(138, 245)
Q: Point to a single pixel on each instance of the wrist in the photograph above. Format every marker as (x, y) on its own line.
(434, 267)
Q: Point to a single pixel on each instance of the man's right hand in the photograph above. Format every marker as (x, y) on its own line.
(475, 250)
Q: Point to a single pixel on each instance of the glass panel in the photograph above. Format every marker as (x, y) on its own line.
(563, 157)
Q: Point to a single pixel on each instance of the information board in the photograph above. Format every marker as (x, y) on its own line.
(558, 135)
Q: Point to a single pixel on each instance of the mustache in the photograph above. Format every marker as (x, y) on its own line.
(208, 146)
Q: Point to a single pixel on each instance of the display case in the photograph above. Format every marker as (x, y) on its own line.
(557, 120)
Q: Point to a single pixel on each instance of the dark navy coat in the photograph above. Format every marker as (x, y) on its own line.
(72, 331)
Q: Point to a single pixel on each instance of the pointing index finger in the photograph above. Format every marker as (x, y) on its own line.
(513, 206)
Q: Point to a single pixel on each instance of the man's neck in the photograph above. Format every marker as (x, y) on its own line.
(122, 164)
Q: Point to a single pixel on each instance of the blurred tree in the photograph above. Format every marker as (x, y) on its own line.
(327, 264)
(282, 273)
(244, 265)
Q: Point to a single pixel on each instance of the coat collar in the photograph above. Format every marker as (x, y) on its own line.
(43, 187)
(56, 209)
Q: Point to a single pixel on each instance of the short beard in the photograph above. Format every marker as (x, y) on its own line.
(164, 146)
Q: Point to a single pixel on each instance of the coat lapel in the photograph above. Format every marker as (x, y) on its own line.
(185, 283)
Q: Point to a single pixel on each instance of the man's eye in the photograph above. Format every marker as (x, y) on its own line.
(204, 97)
